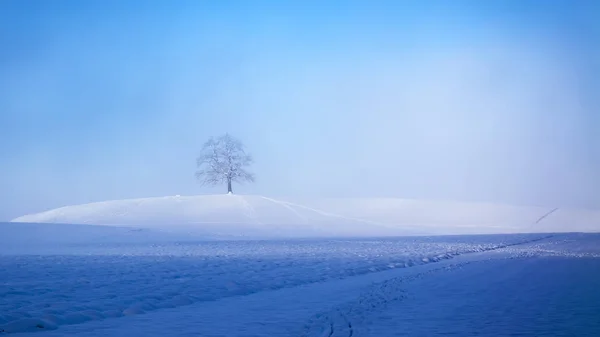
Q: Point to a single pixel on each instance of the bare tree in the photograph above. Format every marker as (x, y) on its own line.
(223, 160)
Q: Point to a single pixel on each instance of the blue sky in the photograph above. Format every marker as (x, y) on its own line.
(462, 100)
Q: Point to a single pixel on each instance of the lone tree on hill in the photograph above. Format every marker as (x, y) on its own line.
(223, 159)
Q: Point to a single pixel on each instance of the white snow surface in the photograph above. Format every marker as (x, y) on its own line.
(142, 286)
(250, 216)
(105, 272)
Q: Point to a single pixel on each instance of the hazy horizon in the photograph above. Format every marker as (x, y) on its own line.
(492, 101)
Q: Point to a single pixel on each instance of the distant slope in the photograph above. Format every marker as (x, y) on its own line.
(258, 216)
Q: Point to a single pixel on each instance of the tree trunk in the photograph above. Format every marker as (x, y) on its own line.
(229, 190)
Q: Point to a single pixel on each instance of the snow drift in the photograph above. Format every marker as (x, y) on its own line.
(259, 216)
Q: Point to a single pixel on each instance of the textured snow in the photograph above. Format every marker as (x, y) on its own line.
(258, 216)
(325, 287)
(47, 283)
(179, 265)
(537, 295)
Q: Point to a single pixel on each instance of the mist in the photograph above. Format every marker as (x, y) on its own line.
(494, 102)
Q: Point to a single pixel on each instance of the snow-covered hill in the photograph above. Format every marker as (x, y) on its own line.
(258, 216)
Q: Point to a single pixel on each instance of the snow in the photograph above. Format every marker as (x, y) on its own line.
(541, 296)
(249, 216)
(180, 265)
(333, 287)
(82, 278)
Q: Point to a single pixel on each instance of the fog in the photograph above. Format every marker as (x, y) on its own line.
(495, 102)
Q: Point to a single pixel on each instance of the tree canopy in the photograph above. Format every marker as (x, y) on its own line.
(223, 160)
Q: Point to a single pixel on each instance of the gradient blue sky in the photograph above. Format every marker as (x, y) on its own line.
(462, 100)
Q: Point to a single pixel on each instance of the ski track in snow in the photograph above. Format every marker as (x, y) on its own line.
(288, 207)
(544, 216)
(343, 320)
(333, 215)
(249, 211)
(383, 224)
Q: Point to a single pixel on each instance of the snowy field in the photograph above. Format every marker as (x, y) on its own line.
(253, 216)
(109, 281)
